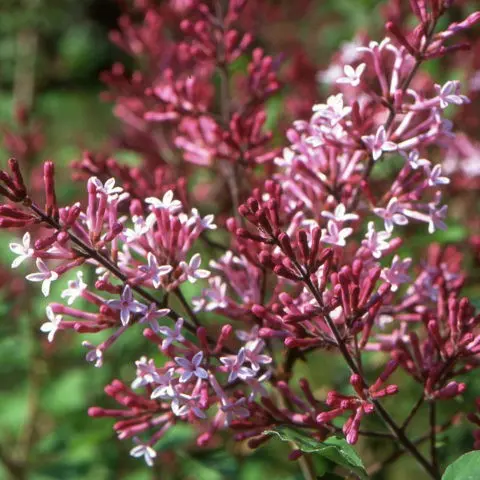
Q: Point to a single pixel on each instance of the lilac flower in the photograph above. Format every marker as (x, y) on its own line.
(127, 305)
(352, 75)
(378, 143)
(374, 47)
(435, 176)
(436, 215)
(192, 270)
(397, 273)
(145, 451)
(449, 94)
(151, 314)
(414, 160)
(233, 409)
(183, 404)
(52, 325)
(191, 367)
(253, 354)
(146, 373)
(44, 275)
(375, 241)
(334, 110)
(23, 250)
(165, 388)
(75, 289)
(166, 203)
(235, 368)
(140, 227)
(171, 335)
(392, 214)
(340, 214)
(94, 354)
(108, 188)
(153, 270)
(335, 236)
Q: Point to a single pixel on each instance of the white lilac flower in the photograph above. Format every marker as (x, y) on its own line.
(153, 270)
(333, 235)
(192, 270)
(191, 367)
(340, 214)
(140, 227)
(44, 275)
(171, 335)
(75, 289)
(392, 214)
(145, 451)
(127, 305)
(397, 273)
(52, 325)
(22, 250)
(376, 242)
(334, 110)
(379, 143)
(166, 203)
(352, 75)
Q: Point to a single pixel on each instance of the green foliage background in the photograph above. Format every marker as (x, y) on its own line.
(45, 433)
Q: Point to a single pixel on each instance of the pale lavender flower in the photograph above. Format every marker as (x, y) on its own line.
(414, 160)
(166, 203)
(392, 215)
(235, 367)
(376, 242)
(397, 273)
(449, 94)
(94, 354)
(191, 367)
(153, 271)
(235, 409)
(44, 275)
(146, 372)
(254, 355)
(333, 235)
(340, 214)
(171, 335)
(192, 270)
(75, 289)
(52, 325)
(435, 176)
(108, 188)
(127, 305)
(22, 250)
(379, 143)
(145, 451)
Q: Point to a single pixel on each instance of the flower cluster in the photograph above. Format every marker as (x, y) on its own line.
(313, 261)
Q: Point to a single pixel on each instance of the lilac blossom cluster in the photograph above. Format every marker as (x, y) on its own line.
(313, 260)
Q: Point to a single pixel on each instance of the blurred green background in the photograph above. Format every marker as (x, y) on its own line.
(51, 54)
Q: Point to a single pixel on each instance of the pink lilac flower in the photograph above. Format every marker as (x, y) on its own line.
(52, 325)
(146, 373)
(75, 289)
(44, 275)
(378, 143)
(254, 355)
(127, 305)
(164, 388)
(171, 335)
(191, 367)
(397, 273)
(352, 75)
(414, 160)
(152, 314)
(108, 188)
(435, 176)
(333, 235)
(192, 270)
(22, 250)
(392, 215)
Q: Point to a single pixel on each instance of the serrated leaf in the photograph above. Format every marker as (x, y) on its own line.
(467, 467)
(334, 449)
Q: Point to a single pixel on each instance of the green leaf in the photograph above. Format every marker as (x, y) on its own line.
(334, 449)
(467, 467)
